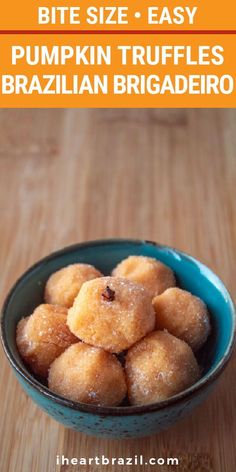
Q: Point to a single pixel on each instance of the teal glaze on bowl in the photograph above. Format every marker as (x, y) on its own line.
(123, 422)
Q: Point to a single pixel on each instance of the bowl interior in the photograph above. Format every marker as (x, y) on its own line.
(191, 275)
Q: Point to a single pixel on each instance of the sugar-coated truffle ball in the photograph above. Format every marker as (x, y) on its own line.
(112, 313)
(183, 315)
(152, 274)
(158, 367)
(43, 336)
(88, 374)
(64, 285)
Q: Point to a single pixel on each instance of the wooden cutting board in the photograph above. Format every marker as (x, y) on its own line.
(72, 175)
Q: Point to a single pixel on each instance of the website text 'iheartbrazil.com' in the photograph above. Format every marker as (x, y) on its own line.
(136, 460)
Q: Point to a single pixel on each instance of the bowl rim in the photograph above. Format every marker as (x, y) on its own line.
(119, 410)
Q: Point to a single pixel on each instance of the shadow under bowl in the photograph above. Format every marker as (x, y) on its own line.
(124, 421)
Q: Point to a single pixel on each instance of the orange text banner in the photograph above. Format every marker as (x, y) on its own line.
(200, 71)
(209, 15)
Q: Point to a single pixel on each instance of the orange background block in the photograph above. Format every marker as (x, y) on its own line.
(210, 14)
(228, 42)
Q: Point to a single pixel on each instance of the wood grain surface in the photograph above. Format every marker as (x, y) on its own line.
(73, 175)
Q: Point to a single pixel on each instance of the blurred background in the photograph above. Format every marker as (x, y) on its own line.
(71, 175)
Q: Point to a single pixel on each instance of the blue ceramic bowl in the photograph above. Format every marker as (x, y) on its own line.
(123, 422)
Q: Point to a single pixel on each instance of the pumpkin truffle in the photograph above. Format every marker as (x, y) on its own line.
(152, 274)
(64, 285)
(158, 367)
(88, 374)
(112, 313)
(183, 315)
(43, 336)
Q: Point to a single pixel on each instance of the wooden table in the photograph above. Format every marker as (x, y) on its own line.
(73, 175)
